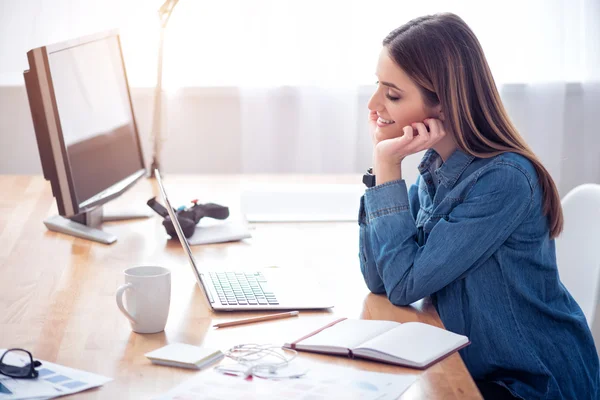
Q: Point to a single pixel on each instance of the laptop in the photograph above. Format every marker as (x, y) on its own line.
(248, 290)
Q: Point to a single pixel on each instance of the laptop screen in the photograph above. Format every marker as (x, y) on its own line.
(177, 226)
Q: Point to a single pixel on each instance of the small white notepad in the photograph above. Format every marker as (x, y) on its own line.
(184, 356)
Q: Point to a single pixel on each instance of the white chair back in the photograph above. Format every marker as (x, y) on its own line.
(578, 247)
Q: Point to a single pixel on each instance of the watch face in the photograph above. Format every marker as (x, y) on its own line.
(369, 180)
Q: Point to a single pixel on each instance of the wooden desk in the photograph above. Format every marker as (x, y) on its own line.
(57, 293)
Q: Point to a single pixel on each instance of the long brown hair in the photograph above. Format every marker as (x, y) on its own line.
(442, 55)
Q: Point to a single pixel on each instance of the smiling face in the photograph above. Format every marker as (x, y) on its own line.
(397, 100)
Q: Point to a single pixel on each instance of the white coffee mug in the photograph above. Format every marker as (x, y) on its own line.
(147, 299)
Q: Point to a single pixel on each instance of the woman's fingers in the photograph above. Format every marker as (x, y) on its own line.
(435, 127)
(426, 137)
(408, 133)
(422, 129)
(420, 139)
(415, 138)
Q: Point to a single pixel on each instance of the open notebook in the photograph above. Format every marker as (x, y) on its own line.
(410, 344)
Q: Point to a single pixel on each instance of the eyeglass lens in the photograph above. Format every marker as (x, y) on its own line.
(16, 363)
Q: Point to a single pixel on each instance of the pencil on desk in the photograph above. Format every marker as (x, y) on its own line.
(257, 319)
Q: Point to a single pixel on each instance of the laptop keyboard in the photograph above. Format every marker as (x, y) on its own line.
(239, 288)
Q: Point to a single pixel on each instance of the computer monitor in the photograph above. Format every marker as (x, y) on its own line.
(85, 128)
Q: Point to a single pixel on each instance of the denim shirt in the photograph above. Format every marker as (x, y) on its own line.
(471, 234)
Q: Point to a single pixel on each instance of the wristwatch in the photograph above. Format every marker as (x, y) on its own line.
(369, 178)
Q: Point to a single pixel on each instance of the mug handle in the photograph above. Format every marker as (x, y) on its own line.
(119, 295)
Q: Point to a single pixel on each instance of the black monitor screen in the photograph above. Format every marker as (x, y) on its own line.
(95, 115)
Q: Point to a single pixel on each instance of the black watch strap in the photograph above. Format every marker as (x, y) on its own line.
(369, 178)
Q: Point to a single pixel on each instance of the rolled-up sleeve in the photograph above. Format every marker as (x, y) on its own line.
(368, 266)
(496, 204)
(365, 254)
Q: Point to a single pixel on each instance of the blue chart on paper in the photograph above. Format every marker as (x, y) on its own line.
(44, 371)
(73, 384)
(366, 386)
(57, 378)
(4, 389)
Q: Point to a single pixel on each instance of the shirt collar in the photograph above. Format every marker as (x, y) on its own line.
(449, 172)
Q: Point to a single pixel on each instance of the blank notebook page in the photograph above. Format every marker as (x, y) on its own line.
(349, 333)
(420, 343)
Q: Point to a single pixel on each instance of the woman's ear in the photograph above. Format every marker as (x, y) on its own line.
(438, 113)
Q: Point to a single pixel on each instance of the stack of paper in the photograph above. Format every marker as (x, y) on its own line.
(302, 202)
(216, 231)
(322, 381)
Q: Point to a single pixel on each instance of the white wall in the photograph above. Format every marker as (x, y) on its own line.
(203, 127)
(204, 134)
(203, 131)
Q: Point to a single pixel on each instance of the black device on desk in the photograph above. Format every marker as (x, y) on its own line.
(188, 217)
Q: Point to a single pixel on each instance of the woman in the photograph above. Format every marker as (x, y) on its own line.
(476, 230)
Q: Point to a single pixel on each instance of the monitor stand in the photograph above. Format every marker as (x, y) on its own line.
(87, 225)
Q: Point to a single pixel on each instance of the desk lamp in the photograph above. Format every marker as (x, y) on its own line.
(164, 13)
